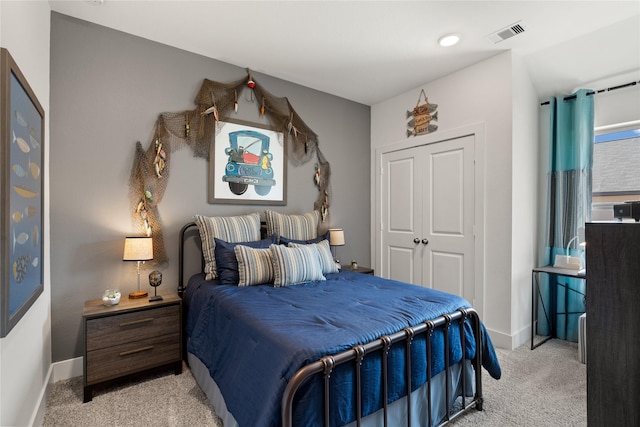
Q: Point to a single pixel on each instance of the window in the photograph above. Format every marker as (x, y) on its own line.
(616, 169)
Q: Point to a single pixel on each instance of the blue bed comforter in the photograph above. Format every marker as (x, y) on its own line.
(254, 339)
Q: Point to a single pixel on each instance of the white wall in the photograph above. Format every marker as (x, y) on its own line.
(525, 172)
(25, 353)
(617, 106)
(483, 94)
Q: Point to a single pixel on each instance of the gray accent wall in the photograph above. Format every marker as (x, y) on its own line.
(107, 90)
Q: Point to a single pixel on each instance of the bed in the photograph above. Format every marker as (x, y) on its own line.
(333, 349)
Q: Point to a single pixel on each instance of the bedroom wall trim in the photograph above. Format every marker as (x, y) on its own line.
(66, 369)
(37, 417)
(509, 341)
(58, 371)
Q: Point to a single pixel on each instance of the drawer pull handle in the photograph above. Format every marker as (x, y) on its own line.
(135, 322)
(138, 350)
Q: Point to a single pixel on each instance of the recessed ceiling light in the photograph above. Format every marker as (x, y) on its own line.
(448, 40)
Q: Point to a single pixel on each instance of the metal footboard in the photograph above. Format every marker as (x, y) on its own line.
(357, 354)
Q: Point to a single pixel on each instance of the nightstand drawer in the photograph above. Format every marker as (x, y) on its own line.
(132, 337)
(116, 361)
(132, 327)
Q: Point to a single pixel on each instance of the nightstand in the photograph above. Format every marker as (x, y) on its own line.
(359, 269)
(130, 338)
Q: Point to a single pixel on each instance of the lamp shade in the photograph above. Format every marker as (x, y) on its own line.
(138, 249)
(336, 237)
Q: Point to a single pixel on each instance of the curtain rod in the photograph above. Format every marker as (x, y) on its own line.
(567, 98)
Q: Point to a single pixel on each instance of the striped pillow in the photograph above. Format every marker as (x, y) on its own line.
(327, 263)
(295, 265)
(226, 261)
(255, 266)
(299, 227)
(232, 229)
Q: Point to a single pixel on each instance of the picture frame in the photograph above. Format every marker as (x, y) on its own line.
(247, 164)
(21, 195)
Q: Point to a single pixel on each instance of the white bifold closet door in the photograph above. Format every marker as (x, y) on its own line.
(427, 214)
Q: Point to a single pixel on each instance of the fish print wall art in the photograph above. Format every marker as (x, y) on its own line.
(421, 116)
(21, 155)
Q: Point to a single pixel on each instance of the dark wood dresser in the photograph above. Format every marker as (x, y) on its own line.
(613, 324)
(129, 338)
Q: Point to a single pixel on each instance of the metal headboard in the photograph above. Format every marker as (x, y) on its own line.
(185, 233)
(188, 232)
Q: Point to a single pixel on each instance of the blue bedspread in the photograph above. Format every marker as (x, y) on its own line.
(254, 339)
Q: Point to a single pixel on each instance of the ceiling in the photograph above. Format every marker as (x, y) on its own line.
(370, 51)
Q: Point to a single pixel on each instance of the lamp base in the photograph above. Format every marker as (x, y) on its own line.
(155, 298)
(138, 294)
(568, 262)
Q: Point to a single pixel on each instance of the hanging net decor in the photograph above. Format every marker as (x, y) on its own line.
(195, 128)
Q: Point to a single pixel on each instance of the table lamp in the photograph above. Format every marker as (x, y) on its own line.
(139, 249)
(336, 238)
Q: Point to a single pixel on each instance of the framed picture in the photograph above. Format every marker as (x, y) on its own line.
(21, 194)
(247, 165)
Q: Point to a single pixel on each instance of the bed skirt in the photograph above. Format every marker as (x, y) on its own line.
(397, 410)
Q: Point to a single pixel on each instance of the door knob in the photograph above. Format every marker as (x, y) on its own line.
(425, 241)
(416, 240)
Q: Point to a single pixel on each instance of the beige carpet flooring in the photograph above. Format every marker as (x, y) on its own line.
(162, 399)
(543, 387)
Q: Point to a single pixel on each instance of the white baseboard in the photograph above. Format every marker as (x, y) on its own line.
(58, 371)
(521, 337)
(37, 417)
(66, 369)
(507, 341)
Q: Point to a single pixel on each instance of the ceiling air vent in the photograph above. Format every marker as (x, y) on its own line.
(507, 32)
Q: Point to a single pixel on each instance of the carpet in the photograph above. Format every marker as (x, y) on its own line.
(542, 387)
(162, 399)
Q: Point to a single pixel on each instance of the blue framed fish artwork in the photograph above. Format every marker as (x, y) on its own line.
(247, 164)
(21, 187)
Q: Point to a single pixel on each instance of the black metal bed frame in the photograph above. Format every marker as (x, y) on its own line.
(326, 364)
(183, 232)
(356, 355)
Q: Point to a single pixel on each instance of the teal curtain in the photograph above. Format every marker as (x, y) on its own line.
(569, 203)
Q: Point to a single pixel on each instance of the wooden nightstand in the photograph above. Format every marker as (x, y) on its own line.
(359, 269)
(129, 338)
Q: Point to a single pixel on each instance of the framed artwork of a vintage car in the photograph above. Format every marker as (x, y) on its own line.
(247, 165)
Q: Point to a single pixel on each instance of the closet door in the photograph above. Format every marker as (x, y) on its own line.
(428, 216)
(402, 215)
(448, 217)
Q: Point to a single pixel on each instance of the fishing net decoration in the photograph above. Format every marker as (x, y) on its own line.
(215, 102)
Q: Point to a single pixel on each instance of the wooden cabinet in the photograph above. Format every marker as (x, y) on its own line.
(129, 338)
(613, 324)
